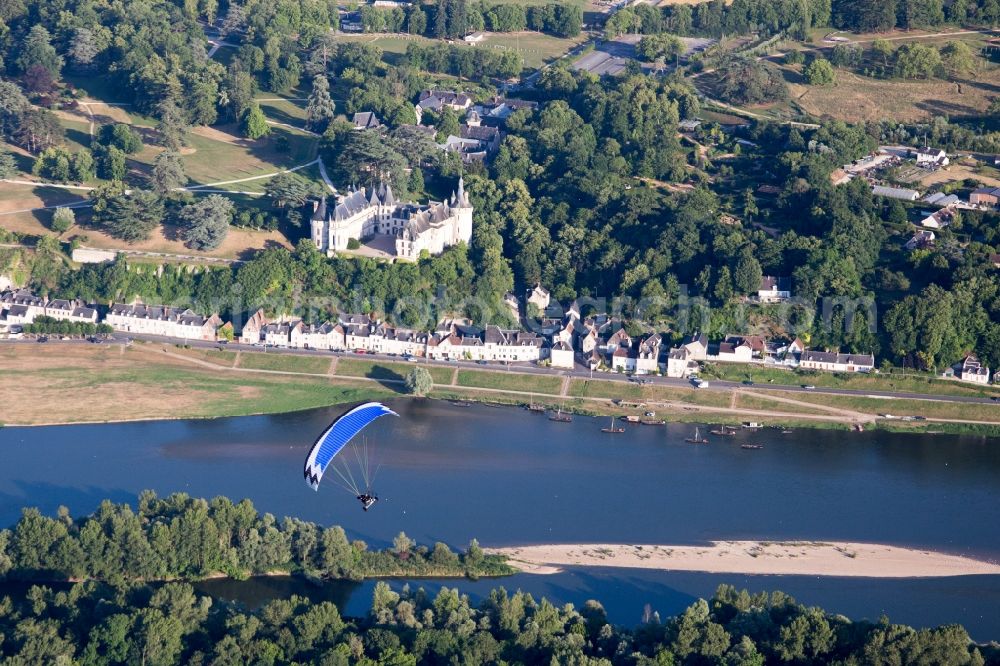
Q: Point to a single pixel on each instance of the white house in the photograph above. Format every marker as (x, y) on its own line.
(696, 346)
(938, 219)
(678, 362)
(21, 306)
(252, 331)
(435, 100)
(70, 310)
(561, 355)
(474, 38)
(837, 362)
(774, 289)
(540, 297)
(162, 320)
(623, 359)
(647, 360)
(931, 158)
(973, 371)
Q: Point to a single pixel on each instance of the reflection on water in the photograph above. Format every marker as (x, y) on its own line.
(506, 476)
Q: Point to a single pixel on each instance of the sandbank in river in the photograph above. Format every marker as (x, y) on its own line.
(805, 558)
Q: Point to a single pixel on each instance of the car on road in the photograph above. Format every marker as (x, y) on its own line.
(995, 398)
(412, 359)
(747, 382)
(808, 387)
(481, 362)
(360, 351)
(43, 338)
(919, 418)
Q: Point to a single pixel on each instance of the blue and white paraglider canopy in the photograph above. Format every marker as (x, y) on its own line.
(334, 440)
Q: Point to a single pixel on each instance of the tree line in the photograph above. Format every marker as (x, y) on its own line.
(454, 19)
(716, 18)
(191, 538)
(92, 623)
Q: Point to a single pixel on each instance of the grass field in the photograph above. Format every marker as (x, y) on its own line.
(585, 388)
(285, 362)
(900, 407)
(856, 381)
(350, 367)
(510, 381)
(224, 359)
(65, 383)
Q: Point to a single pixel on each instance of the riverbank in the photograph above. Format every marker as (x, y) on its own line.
(803, 558)
(155, 381)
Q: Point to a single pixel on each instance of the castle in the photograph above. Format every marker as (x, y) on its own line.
(433, 227)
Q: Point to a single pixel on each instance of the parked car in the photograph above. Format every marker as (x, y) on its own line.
(747, 382)
(43, 338)
(360, 351)
(808, 387)
(481, 362)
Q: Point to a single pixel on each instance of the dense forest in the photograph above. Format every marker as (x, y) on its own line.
(117, 618)
(190, 538)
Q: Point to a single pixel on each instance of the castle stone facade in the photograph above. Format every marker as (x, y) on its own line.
(414, 228)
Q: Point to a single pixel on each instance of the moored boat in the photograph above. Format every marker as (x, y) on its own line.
(751, 446)
(612, 429)
(725, 431)
(697, 439)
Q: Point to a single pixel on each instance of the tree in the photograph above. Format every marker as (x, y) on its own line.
(416, 20)
(82, 166)
(37, 49)
(206, 222)
(38, 129)
(111, 164)
(290, 190)
(129, 217)
(237, 92)
(83, 48)
(419, 382)
(748, 274)
(820, 73)
(917, 61)
(168, 172)
(749, 81)
(320, 108)
(8, 165)
(958, 59)
(254, 123)
(63, 219)
(120, 136)
(172, 126)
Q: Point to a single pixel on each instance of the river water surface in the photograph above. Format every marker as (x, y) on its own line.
(509, 477)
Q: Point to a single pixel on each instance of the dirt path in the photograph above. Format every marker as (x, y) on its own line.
(855, 415)
(333, 366)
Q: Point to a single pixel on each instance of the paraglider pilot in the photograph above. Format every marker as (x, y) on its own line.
(367, 500)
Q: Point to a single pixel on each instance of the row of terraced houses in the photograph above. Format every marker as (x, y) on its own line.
(567, 341)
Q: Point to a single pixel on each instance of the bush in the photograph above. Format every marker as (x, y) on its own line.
(820, 73)
(353, 244)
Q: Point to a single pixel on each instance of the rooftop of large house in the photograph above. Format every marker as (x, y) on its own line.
(366, 120)
(866, 360)
(21, 297)
(772, 283)
(137, 310)
(435, 99)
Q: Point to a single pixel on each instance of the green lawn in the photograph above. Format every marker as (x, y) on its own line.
(854, 381)
(285, 362)
(350, 367)
(214, 161)
(77, 134)
(222, 358)
(616, 390)
(510, 381)
(969, 411)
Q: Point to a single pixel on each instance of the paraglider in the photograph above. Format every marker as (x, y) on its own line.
(334, 440)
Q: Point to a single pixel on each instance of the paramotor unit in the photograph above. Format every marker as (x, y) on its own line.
(328, 452)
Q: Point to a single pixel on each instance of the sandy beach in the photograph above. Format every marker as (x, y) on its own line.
(808, 558)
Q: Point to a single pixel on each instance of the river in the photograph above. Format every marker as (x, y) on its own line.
(509, 477)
